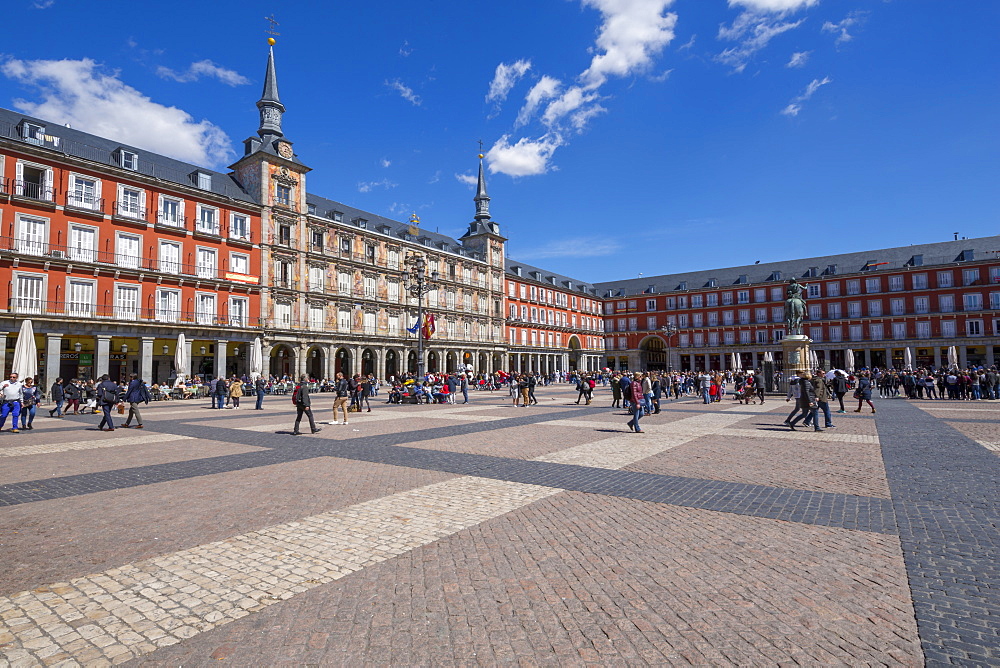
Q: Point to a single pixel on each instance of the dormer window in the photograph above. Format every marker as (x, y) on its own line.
(32, 133)
(337, 216)
(312, 209)
(361, 222)
(128, 160)
(683, 285)
(202, 179)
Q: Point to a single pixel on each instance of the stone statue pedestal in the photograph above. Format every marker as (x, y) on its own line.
(796, 353)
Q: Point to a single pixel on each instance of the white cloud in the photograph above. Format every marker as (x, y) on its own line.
(527, 157)
(385, 162)
(436, 177)
(406, 49)
(632, 34)
(406, 92)
(662, 76)
(77, 93)
(545, 89)
(204, 68)
(368, 186)
(753, 31)
(504, 79)
(841, 27)
(688, 44)
(795, 106)
(776, 6)
(43, 4)
(571, 100)
(798, 59)
(467, 179)
(577, 247)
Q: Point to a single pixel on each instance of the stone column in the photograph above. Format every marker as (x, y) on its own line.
(221, 350)
(937, 357)
(328, 362)
(3, 355)
(722, 361)
(265, 355)
(146, 358)
(380, 366)
(963, 359)
(301, 360)
(989, 357)
(888, 358)
(356, 362)
(53, 358)
(102, 356)
(868, 358)
(753, 360)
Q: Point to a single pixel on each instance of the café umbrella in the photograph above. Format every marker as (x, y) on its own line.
(181, 359)
(952, 357)
(256, 359)
(25, 353)
(849, 361)
(908, 358)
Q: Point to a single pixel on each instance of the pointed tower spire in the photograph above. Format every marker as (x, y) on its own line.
(481, 199)
(269, 105)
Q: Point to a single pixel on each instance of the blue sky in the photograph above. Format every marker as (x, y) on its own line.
(622, 136)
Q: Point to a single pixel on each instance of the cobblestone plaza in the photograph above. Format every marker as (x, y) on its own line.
(487, 534)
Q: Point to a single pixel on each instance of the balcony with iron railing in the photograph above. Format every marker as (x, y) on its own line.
(171, 220)
(32, 190)
(126, 313)
(129, 210)
(49, 252)
(85, 202)
(208, 227)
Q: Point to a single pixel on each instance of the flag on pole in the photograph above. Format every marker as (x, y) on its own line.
(429, 328)
(415, 328)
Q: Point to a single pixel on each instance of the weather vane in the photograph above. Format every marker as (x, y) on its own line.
(480, 149)
(270, 31)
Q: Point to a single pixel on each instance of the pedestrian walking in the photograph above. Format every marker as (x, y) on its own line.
(465, 388)
(343, 393)
(58, 394)
(635, 390)
(30, 396)
(10, 392)
(236, 391)
(258, 387)
(135, 393)
(806, 403)
(220, 393)
(303, 405)
(863, 394)
(73, 393)
(107, 396)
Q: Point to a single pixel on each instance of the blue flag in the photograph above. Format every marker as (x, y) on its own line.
(415, 328)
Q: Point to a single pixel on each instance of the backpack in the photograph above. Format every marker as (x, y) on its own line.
(295, 395)
(108, 395)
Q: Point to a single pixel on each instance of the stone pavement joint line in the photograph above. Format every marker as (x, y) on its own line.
(946, 494)
(22, 450)
(133, 610)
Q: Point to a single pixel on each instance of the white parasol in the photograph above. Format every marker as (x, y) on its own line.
(813, 359)
(256, 359)
(952, 357)
(768, 357)
(849, 361)
(908, 358)
(26, 354)
(181, 359)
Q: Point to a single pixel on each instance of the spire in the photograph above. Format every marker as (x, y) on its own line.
(269, 105)
(481, 199)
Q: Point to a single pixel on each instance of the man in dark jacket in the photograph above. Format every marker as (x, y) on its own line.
(73, 394)
(303, 404)
(58, 395)
(806, 402)
(258, 388)
(221, 392)
(135, 393)
(107, 398)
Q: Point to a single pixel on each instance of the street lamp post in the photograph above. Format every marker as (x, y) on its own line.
(668, 331)
(418, 286)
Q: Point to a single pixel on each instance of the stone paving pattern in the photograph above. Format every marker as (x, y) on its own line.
(487, 534)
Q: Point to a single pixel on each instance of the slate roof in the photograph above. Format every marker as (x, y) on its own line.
(68, 141)
(394, 228)
(548, 278)
(940, 253)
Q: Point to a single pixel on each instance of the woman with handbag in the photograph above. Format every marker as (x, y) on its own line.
(864, 392)
(30, 396)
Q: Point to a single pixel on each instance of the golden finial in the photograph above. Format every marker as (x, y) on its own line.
(481, 156)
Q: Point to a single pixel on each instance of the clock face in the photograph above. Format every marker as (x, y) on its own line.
(285, 150)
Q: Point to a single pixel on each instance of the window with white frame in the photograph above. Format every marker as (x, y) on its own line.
(895, 283)
(712, 299)
(972, 301)
(776, 294)
(696, 320)
(682, 301)
(31, 235)
(994, 275)
(282, 314)
(833, 311)
(317, 278)
(622, 343)
(82, 243)
(713, 319)
(170, 257)
(128, 250)
(777, 335)
(239, 263)
(206, 263)
(744, 316)
(923, 330)
(633, 323)
(727, 317)
(317, 316)
(815, 311)
(699, 340)
(33, 181)
(393, 324)
(857, 333)
(970, 276)
(729, 338)
(995, 301)
(344, 320)
(727, 298)
(127, 302)
(171, 211)
(343, 283)
(816, 334)
(919, 281)
(128, 159)
(854, 287)
(745, 337)
(131, 202)
(370, 287)
(393, 258)
(84, 192)
(208, 219)
(836, 333)
(833, 289)
(393, 291)
(650, 304)
(760, 295)
(853, 309)
(899, 330)
(814, 290)
(168, 305)
(743, 296)
(897, 306)
(205, 308)
(875, 331)
(239, 311)
(873, 284)
(713, 338)
(762, 336)
(81, 298)
(946, 303)
(282, 195)
(945, 279)
(777, 314)
(239, 226)
(696, 301)
(948, 329)
(760, 315)
(875, 307)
